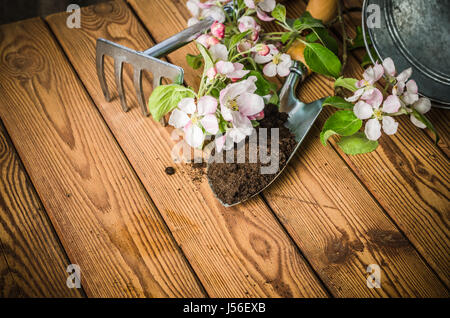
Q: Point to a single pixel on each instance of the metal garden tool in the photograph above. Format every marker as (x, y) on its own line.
(146, 60)
(301, 116)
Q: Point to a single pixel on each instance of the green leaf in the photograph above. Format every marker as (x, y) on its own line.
(279, 13)
(194, 61)
(357, 144)
(348, 83)
(427, 123)
(358, 41)
(321, 60)
(285, 37)
(255, 123)
(324, 37)
(342, 122)
(274, 99)
(338, 102)
(165, 98)
(306, 21)
(206, 57)
(366, 58)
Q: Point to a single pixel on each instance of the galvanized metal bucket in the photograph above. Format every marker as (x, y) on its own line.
(414, 33)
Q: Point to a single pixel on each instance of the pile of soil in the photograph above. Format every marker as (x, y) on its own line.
(234, 182)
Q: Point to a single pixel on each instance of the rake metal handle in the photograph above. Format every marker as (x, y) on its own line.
(180, 39)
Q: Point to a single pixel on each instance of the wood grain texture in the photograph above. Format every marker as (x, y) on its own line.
(103, 216)
(330, 215)
(409, 177)
(236, 252)
(34, 257)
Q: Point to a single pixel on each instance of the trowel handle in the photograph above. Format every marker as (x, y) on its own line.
(287, 93)
(180, 39)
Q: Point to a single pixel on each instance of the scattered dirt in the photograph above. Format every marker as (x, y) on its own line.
(234, 182)
(197, 171)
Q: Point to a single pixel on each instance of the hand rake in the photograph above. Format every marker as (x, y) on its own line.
(146, 60)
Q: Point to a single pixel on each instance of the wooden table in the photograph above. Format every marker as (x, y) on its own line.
(83, 183)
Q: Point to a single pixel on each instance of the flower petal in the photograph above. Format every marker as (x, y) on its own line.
(250, 3)
(187, 105)
(373, 129)
(178, 119)
(192, 21)
(417, 122)
(355, 96)
(405, 75)
(267, 5)
(423, 105)
(210, 123)
(363, 110)
(224, 67)
(263, 16)
(250, 104)
(389, 125)
(410, 98)
(220, 141)
(194, 136)
(214, 12)
(270, 69)
(411, 87)
(260, 59)
(207, 105)
(219, 52)
(391, 104)
(374, 98)
(389, 67)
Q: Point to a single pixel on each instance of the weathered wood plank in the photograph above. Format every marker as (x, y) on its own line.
(327, 211)
(8, 287)
(407, 175)
(103, 216)
(236, 252)
(35, 258)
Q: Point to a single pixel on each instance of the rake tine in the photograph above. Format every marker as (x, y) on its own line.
(137, 79)
(118, 71)
(100, 61)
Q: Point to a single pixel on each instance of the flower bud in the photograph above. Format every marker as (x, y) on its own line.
(262, 49)
(212, 41)
(218, 30)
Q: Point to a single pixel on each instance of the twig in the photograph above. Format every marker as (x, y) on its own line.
(340, 19)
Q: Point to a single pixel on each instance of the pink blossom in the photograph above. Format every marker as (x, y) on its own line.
(192, 117)
(234, 71)
(207, 40)
(262, 7)
(277, 63)
(218, 30)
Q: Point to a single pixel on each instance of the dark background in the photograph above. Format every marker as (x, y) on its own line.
(14, 10)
